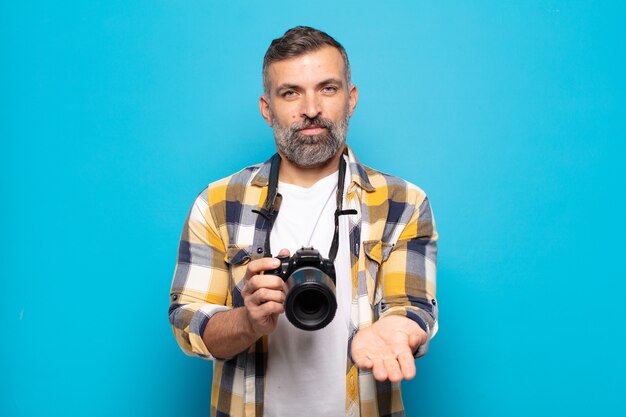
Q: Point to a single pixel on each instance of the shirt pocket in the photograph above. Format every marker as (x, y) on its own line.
(237, 258)
(376, 253)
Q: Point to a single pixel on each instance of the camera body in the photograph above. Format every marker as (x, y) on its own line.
(311, 297)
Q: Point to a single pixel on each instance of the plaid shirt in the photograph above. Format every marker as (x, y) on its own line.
(393, 240)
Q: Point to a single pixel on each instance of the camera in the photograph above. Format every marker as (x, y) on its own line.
(311, 302)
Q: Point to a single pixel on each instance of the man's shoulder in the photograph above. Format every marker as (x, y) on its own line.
(243, 177)
(233, 186)
(391, 187)
(396, 203)
(381, 186)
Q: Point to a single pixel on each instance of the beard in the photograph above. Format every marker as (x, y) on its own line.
(310, 151)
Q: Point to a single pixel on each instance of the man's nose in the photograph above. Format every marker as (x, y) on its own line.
(311, 107)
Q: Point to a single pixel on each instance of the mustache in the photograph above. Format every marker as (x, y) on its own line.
(316, 121)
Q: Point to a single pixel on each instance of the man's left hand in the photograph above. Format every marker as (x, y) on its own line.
(387, 346)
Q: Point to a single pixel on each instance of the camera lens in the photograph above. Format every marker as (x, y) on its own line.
(311, 302)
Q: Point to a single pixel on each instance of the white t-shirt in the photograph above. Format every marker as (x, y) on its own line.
(306, 370)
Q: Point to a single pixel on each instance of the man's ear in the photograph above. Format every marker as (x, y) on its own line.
(354, 98)
(264, 107)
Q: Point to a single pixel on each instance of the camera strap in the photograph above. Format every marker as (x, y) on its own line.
(269, 212)
(334, 247)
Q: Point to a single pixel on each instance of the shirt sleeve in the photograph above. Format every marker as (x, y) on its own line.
(200, 284)
(409, 273)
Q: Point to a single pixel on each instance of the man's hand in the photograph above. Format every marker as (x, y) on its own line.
(387, 348)
(263, 295)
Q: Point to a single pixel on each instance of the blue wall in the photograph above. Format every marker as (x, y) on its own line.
(114, 115)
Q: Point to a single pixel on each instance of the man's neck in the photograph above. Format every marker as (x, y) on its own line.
(306, 177)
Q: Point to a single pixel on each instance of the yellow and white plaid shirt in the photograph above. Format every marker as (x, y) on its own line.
(393, 240)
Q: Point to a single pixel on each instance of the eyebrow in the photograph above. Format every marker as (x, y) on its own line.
(332, 81)
(288, 86)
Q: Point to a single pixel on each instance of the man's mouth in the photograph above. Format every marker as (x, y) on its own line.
(312, 130)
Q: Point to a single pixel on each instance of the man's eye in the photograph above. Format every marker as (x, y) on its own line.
(330, 89)
(289, 93)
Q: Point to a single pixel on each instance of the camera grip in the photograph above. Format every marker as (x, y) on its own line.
(282, 269)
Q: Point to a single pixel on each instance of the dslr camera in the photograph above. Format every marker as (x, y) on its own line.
(311, 302)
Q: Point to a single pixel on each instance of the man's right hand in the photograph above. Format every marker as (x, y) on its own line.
(231, 332)
(264, 295)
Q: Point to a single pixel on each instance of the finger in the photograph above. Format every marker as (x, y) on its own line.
(257, 282)
(263, 295)
(393, 369)
(361, 359)
(284, 252)
(417, 339)
(407, 364)
(259, 265)
(269, 308)
(378, 369)
(259, 316)
(263, 309)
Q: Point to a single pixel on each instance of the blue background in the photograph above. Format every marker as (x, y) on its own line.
(114, 115)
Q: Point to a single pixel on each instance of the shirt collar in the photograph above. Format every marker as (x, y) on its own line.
(357, 170)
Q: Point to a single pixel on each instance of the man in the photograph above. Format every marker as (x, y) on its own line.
(224, 307)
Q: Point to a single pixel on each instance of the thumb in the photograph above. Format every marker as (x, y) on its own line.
(414, 341)
(417, 339)
(284, 252)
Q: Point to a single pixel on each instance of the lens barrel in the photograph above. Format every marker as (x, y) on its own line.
(311, 302)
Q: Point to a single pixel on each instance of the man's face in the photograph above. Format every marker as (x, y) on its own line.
(309, 106)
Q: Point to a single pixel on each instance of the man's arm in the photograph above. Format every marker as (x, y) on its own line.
(200, 284)
(231, 332)
(408, 312)
(409, 275)
(202, 322)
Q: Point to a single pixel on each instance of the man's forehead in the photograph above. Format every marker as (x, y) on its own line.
(323, 63)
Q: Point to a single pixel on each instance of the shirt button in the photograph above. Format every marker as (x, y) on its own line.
(259, 250)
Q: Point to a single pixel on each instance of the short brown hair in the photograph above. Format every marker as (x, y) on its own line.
(299, 41)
